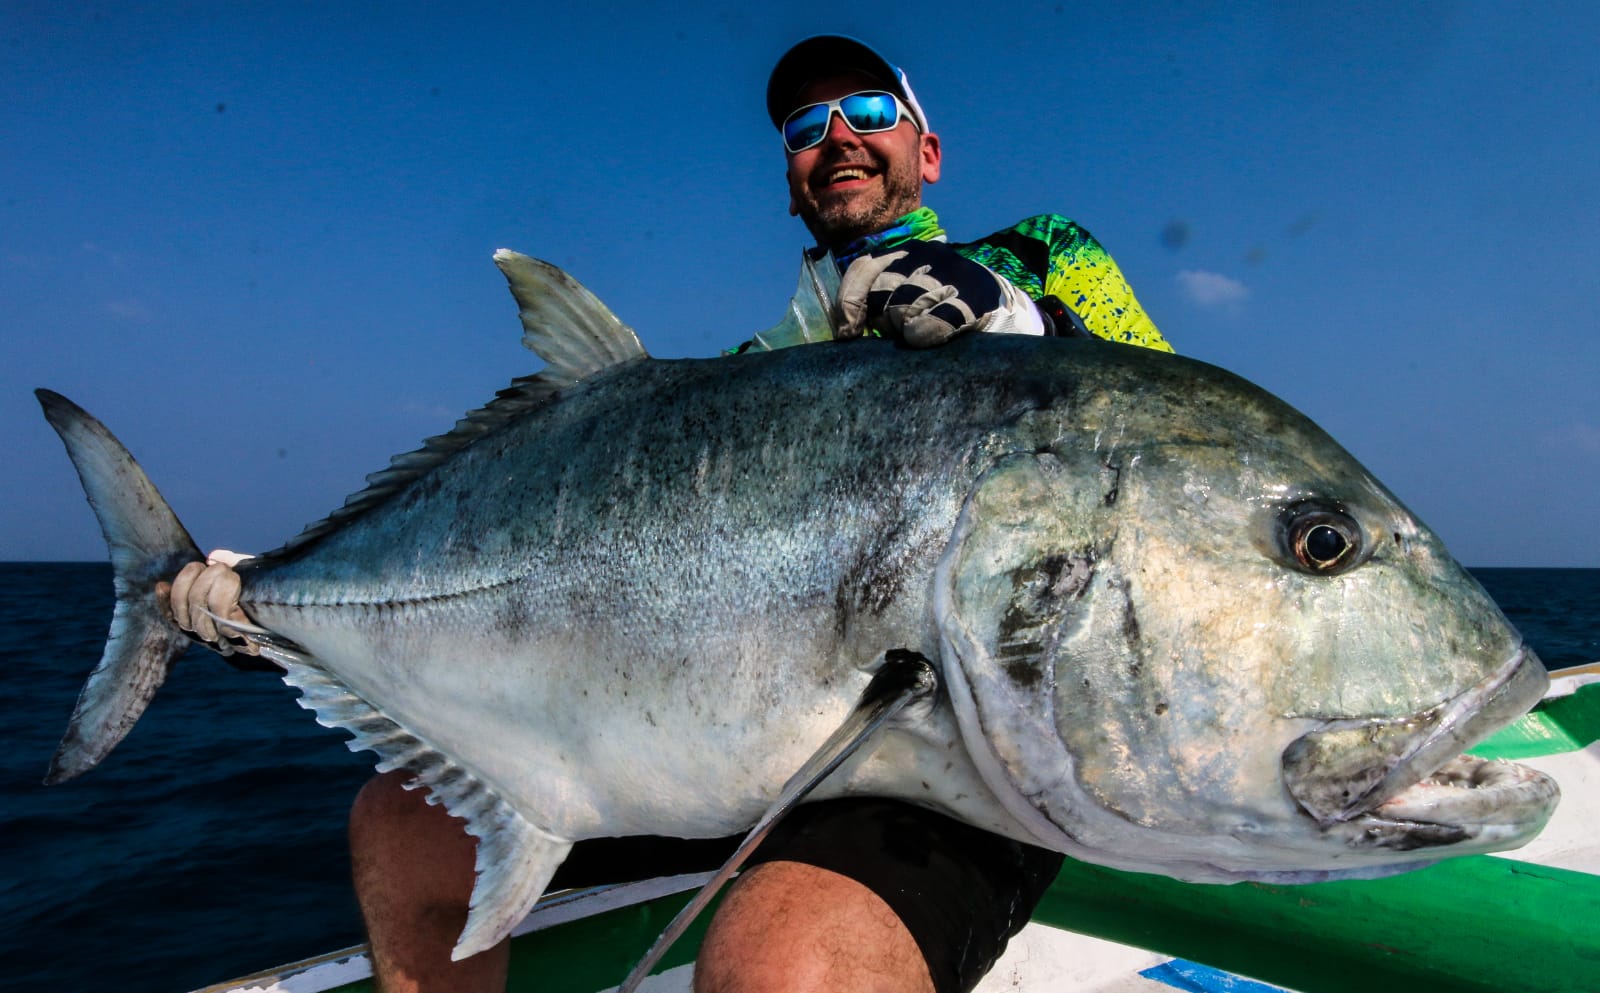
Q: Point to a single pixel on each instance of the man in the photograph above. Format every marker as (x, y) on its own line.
(857, 185)
(875, 894)
(858, 894)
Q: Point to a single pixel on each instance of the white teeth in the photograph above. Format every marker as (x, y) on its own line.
(1470, 790)
(844, 174)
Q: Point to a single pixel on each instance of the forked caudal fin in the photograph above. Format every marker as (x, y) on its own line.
(577, 336)
(147, 545)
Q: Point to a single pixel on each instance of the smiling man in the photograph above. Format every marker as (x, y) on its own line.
(859, 150)
(869, 894)
(861, 894)
(842, 182)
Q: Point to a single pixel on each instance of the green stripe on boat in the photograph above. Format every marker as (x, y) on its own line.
(1563, 724)
(1479, 924)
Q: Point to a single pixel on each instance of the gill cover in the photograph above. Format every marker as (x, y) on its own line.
(1010, 592)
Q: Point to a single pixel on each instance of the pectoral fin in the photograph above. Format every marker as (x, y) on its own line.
(904, 678)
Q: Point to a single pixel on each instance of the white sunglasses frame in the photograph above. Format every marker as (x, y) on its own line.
(902, 113)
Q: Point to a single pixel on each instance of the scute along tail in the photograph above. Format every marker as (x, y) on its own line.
(147, 545)
(578, 337)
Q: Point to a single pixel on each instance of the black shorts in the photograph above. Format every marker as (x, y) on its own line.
(961, 892)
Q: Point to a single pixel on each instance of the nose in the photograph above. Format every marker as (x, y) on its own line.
(839, 132)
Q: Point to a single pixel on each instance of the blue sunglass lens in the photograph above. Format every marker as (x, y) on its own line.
(865, 113)
(806, 127)
(869, 112)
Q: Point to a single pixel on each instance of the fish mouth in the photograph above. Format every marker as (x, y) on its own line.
(1403, 784)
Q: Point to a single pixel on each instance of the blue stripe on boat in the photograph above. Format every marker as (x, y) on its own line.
(1196, 978)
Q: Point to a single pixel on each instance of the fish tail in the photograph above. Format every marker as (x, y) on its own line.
(147, 546)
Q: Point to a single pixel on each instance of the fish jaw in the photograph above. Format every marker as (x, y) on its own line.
(1401, 784)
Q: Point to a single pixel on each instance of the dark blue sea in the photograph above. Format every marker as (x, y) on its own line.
(210, 844)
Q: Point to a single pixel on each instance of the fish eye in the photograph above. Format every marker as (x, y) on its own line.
(1321, 540)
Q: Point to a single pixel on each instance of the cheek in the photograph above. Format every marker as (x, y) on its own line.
(797, 190)
(799, 168)
(899, 151)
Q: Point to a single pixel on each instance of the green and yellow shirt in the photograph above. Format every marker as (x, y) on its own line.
(1046, 255)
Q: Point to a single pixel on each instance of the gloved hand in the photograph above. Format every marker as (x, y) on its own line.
(201, 590)
(925, 293)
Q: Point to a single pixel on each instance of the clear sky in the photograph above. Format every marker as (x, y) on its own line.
(255, 239)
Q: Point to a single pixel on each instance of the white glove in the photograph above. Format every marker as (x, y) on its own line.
(924, 293)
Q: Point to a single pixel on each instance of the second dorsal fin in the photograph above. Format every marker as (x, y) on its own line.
(563, 323)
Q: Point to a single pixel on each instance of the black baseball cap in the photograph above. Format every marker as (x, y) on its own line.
(831, 53)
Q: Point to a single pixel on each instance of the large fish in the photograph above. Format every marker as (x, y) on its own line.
(1178, 629)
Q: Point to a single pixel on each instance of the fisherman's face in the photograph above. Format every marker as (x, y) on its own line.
(852, 184)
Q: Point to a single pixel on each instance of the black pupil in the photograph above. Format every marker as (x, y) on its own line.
(1324, 544)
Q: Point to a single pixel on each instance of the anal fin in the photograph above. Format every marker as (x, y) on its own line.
(515, 863)
(515, 859)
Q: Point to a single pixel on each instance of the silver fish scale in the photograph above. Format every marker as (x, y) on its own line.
(674, 557)
(633, 479)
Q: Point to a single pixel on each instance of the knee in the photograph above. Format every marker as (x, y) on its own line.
(384, 800)
(413, 868)
(747, 945)
(400, 841)
(792, 928)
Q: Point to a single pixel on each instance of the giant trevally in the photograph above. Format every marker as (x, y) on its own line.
(1177, 628)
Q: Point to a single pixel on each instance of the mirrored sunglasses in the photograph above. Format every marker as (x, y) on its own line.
(868, 112)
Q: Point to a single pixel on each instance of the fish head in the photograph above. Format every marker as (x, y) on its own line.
(1186, 632)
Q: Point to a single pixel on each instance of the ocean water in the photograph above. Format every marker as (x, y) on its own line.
(210, 844)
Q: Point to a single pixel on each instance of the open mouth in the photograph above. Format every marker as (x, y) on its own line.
(846, 175)
(1402, 784)
(839, 173)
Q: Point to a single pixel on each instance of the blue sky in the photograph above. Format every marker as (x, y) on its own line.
(255, 239)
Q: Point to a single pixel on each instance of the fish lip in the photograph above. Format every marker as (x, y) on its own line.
(1491, 803)
(1401, 754)
(1469, 779)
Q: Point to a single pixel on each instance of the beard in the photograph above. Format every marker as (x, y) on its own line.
(838, 217)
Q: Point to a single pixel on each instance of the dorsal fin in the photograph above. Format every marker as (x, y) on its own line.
(563, 323)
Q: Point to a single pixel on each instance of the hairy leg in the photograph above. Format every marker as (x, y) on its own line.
(413, 870)
(787, 927)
